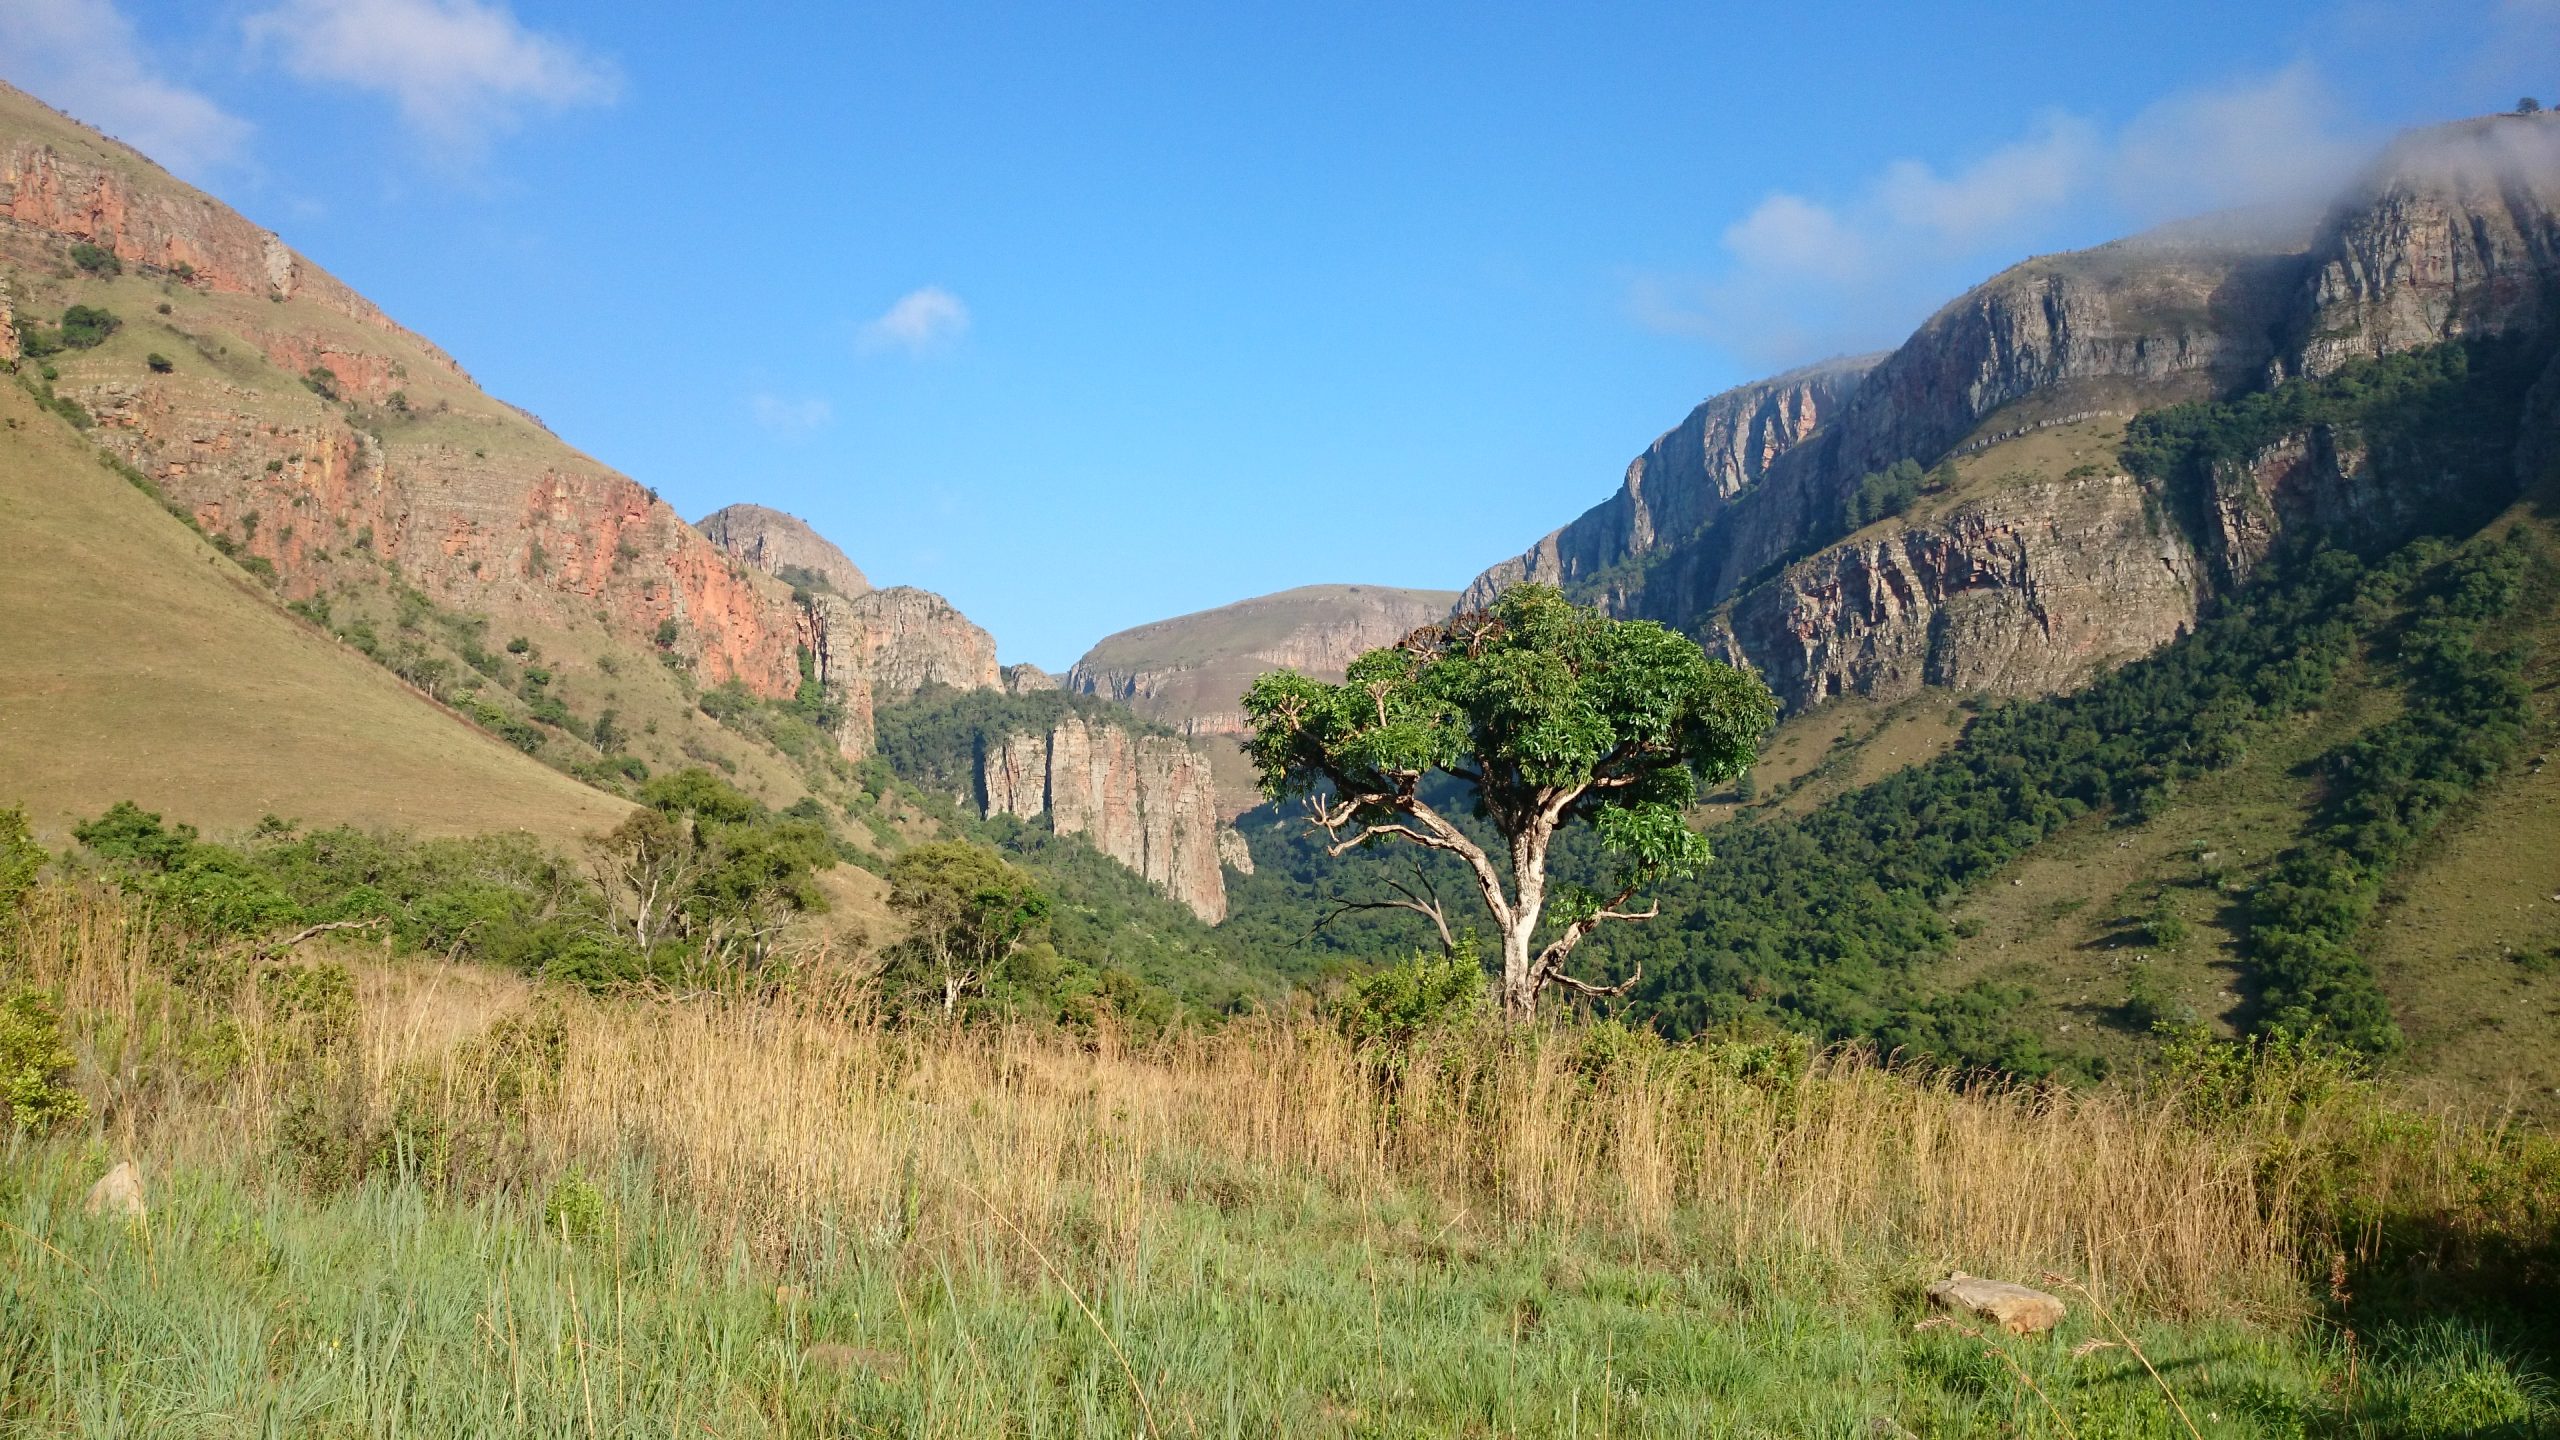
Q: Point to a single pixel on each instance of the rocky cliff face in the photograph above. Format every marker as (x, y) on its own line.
(2040, 579)
(60, 178)
(1028, 679)
(2026, 592)
(773, 542)
(2456, 233)
(888, 644)
(394, 455)
(1147, 801)
(1684, 480)
(1191, 672)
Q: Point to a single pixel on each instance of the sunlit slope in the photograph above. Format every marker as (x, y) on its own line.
(136, 663)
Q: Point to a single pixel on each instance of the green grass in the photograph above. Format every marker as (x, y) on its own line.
(245, 1308)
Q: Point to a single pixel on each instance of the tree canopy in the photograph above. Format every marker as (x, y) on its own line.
(1551, 713)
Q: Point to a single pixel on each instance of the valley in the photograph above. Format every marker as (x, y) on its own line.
(677, 951)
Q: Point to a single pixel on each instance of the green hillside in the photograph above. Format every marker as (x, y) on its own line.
(2323, 809)
(139, 663)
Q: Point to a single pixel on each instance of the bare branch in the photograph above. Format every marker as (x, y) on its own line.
(1598, 992)
(281, 946)
(1425, 903)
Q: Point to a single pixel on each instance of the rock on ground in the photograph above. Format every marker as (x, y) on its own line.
(2013, 1308)
(117, 1193)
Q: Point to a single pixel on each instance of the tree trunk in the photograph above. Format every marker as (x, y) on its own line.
(1520, 980)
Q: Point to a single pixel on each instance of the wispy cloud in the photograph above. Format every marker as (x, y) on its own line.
(1799, 276)
(921, 320)
(459, 71)
(82, 55)
(785, 415)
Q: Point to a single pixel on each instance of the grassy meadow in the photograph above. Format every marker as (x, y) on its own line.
(393, 1196)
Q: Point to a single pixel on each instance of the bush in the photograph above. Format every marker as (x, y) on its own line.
(36, 1066)
(20, 857)
(576, 1210)
(160, 364)
(1395, 1006)
(85, 327)
(96, 259)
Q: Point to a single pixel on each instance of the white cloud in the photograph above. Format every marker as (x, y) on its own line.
(81, 55)
(1799, 277)
(2279, 139)
(459, 71)
(2016, 182)
(921, 320)
(789, 416)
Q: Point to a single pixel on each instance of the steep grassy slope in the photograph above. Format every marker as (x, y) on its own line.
(137, 663)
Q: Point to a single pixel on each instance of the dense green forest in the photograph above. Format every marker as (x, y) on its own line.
(1828, 922)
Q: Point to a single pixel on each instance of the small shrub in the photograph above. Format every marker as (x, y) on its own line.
(160, 364)
(1395, 1006)
(310, 1009)
(322, 381)
(20, 857)
(85, 327)
(96, 259)
(576, 1209)
(35, 1066)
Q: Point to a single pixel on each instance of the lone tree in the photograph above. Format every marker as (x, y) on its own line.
(967, 914)
(1551, 713)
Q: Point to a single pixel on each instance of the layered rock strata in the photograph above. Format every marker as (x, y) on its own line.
(309, 430)
(2030, 591)
(2455, 233)
(1685, 478)
(1191, 672)
(774, 542)
(1147, 801)
(2451, 235)
(886, 645)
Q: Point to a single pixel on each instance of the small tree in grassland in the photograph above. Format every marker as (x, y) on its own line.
(967, 914)
(1551, 713)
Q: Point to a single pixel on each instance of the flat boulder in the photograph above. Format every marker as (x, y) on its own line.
(2013, 1308)
(118, 1193)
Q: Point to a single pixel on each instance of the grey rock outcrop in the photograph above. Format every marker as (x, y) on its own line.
(1233, 852)
(1147, 801)
(888, 644)
(1028, 679)
(2455, 233)
(774, 542)
(1685, 478)
(1191, 672)
(2032, 590)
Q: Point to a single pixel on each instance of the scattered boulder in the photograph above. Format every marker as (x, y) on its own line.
(2013, 1308)
(118, 1193)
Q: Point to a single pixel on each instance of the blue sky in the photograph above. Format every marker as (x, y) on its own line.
(1085, 315)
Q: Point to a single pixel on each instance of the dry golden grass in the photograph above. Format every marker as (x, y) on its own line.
(140, 665)
(777, 1117)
